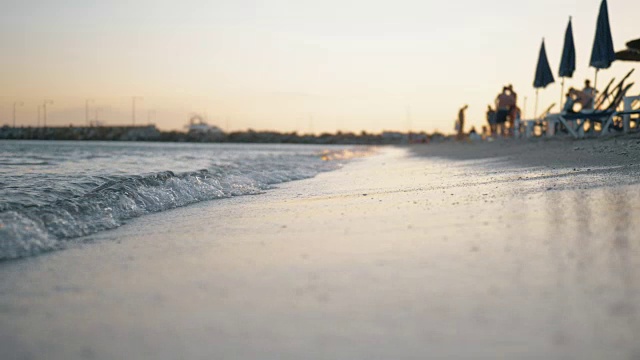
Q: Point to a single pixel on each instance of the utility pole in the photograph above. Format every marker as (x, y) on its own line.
(20, 103)
(44, 111)
(133, 108)
(86, 111)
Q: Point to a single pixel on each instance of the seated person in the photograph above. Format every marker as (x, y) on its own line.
(575, 96)
(517, 120)
(473, 135)
(569, 101)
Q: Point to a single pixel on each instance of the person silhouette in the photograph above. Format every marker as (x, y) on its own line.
(503, 105)
(491, 119)
(588, 96)
(461, 119)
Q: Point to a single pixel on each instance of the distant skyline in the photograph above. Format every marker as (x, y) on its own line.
(292, 65)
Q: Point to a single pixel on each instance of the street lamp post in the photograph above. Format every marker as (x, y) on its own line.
(44, 111)
(20, 103)
(133, 108)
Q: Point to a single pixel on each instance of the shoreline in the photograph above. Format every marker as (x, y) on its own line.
(417, 252)
(617, 150)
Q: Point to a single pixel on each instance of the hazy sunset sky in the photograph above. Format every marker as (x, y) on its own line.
(291, 64)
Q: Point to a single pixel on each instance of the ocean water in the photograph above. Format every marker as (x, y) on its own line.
(52, 192)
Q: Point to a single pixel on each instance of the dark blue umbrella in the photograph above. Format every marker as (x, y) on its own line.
(544, 76)
(568, 60)
(602, 54)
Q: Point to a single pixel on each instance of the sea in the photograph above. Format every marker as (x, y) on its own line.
(52, 192)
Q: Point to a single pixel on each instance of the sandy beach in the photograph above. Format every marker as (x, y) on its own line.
(505, 249)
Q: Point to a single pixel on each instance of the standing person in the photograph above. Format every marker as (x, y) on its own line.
(491, 119)
(503, 103)
(461, 122)
(513, 109)
(513, 93)
(589, 95)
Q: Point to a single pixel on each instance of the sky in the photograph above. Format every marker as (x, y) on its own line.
(291, 65)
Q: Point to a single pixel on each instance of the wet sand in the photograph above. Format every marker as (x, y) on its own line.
(462, 251)
(552, 152)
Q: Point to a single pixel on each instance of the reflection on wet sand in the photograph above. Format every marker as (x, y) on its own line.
(589, 236)
(569, 243)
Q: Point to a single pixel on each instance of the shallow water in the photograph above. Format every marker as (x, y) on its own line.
(53, 191)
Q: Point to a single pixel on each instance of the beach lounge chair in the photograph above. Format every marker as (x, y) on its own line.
(604, 95)
(631, 106)
(574, 122)
(607, 94)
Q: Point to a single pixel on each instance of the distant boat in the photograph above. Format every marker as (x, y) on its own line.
(197, 125)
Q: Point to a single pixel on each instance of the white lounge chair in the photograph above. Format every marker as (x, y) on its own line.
(574, 122)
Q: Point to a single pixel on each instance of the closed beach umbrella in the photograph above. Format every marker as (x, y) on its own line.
(544, 76)
(568, 60)
(602, 54)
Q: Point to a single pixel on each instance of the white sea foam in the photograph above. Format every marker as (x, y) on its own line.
(80, 206)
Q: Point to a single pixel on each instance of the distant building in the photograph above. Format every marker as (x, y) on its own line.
(199, 127)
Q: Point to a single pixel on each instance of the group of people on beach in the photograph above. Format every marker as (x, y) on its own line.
(504, 119)
(506, 116)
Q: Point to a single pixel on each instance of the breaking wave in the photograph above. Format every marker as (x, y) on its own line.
(108, 202)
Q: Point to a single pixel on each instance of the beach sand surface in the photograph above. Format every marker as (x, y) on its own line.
(457, 251)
